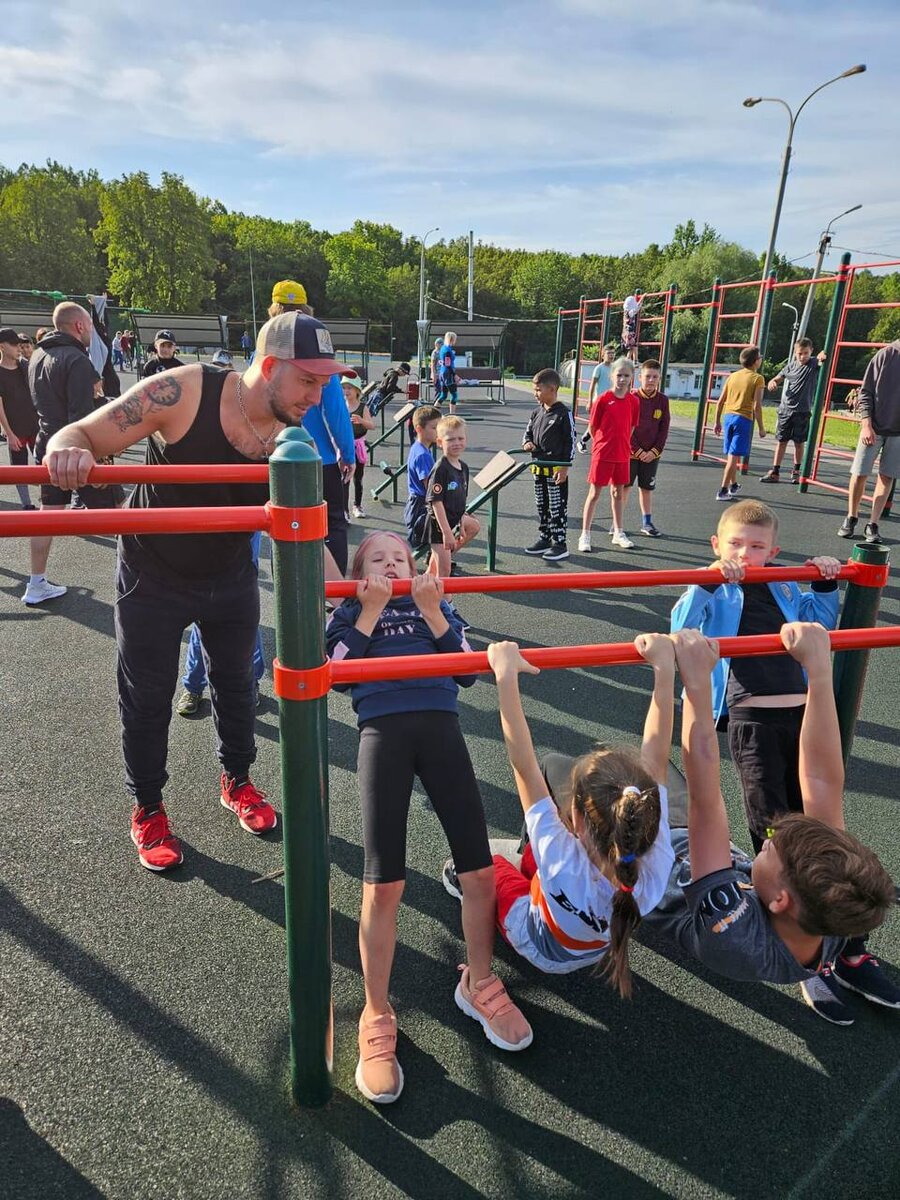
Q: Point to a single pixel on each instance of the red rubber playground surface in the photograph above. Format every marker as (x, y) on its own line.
(143, 1046)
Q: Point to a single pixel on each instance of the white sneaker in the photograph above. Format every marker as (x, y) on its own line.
(38, 593)
(358, 512)
(584, 542)
(622, 540)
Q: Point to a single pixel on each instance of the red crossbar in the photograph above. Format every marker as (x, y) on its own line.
(728, 316)
(682, 307)
(138, 473)
(426, 666)
(865, 345)
(840, 379)
(730, 345)
(787, 283)
(677, 577)
(880, 304)
(80, 523)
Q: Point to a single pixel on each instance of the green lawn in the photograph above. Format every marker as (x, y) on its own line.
(842, 434)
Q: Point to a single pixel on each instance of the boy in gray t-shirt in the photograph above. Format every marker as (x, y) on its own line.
(799, 377)
(783, 917)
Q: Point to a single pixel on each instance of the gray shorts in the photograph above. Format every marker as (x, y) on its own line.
(887, 447)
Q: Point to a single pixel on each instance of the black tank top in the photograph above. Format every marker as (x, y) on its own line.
(196, 556)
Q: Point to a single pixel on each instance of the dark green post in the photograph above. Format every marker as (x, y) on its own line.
(860, 611)
(493, 518)
(765, 313)
(831, 335)
(709, 362)
(579, 333)
(666, 335)
(295, 478)
(557, 353)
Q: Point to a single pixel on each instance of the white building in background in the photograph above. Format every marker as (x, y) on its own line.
(682, 380)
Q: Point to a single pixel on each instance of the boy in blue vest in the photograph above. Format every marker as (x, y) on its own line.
(764, 698)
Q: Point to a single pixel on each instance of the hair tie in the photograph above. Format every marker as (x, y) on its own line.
(623, 887)
(631, 790)
(627, 858)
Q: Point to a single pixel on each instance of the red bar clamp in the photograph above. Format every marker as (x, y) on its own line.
(297, 524)
(291, 684)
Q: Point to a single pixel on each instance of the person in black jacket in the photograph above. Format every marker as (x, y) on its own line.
(164, 359)
(550, 436)
(63, 386)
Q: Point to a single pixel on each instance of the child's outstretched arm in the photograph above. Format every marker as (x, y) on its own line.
(659, 652)
(821, 760)
(709, 837)
(507, 663)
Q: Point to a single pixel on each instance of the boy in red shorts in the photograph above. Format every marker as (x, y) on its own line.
(613, 416)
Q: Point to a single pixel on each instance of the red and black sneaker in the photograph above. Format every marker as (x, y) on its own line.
(249, 805)
(158, 847)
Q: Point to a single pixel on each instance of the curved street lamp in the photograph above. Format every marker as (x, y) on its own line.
(751, 102)
(824, 243)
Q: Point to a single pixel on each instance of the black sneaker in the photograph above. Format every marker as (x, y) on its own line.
(795, 475)
(723, 494)
(820, 993)
(648, 529)
(773, 476)
(873, 537)
(539, 547)
(734, 489)
(848, 527)
(557, 551)
(868, 978)
(450, 880)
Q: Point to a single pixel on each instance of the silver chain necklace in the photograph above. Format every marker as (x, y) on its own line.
(265, 442)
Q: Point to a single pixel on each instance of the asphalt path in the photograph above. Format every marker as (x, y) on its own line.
(144, 1031)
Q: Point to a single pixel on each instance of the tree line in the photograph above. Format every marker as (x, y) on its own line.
(162, 247)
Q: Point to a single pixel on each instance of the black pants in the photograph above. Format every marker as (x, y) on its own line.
(552, 502)
(393, 750)
(765, 747)
(333, 495)
(357, 487)
(152, 613)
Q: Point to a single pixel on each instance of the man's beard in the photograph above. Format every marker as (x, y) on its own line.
(277, 406)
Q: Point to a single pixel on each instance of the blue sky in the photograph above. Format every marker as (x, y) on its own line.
(582, 125)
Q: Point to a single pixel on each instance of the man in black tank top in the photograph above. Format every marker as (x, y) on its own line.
(166, 582)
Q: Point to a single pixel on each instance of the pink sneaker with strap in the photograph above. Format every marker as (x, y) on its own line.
(489, 1003)
(378, 1074)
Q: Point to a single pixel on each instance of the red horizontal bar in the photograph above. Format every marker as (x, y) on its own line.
(80, 523)
(730, 346)
(724, 287)
(894, 262)
(880, 304)
(138, 473)
(832, 487)
(645, 344)
(681, 307)
(805, 282)
(866, 345)
(840, 379)
(428, 666)
(600, 580)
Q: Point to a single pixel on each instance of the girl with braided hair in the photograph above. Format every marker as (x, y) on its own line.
(594, 867)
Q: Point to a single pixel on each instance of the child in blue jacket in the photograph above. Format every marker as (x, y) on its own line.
(410, 728)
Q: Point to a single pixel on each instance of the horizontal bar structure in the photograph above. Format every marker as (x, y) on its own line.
(138, 473)
(80, 523)
(601, 580)
(613, 654)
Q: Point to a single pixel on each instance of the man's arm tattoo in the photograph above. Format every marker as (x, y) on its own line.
(157, 394)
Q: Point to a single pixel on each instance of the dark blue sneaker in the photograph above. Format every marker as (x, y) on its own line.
(867, 977)
(820, 992)
(648, 529)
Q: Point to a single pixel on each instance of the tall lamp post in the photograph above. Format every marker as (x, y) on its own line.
(420, 324)
(750, 102)
(252, 292)
(824, 243)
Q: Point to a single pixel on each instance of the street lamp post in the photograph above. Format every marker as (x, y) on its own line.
(824, 243)
(420, 324)
(252, 292)
(750, 102)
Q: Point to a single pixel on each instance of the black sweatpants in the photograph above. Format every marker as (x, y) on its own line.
(152, 613)
(551, 500)
(765, 747)
(393, 751)
(333, 495)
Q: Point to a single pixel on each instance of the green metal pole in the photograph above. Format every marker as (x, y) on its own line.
(666, 337)
(818, 407)
(557, 353)
(709, 355)
(765, 315)
(295, 475)
(579, 333)
(493, 516)
(860, 611)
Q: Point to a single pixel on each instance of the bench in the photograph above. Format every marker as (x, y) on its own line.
(489, 378)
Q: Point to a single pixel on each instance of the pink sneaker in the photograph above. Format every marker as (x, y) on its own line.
(378, 1074)
(249, 805)
(489, 1003)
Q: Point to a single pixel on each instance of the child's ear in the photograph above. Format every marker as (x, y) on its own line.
(773, 553)
(714, 542)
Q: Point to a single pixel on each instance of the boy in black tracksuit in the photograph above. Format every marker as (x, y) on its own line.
(550, 436)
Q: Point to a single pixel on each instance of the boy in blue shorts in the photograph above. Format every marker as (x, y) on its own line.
(741, 402)
(419, 466)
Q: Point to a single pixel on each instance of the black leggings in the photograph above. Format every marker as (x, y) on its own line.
(393, 750)
(357, 487)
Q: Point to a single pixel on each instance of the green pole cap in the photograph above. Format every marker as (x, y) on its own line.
(872, 555)
(294, 444)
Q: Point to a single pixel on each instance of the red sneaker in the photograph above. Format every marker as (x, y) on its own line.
(249, 805)
(158, 847)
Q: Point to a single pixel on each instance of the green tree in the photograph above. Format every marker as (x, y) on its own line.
(158, 240)
(357, 279)
(544, 282)
(45, 241)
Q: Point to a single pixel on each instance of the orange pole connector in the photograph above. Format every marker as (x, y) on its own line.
(80, 523)
(426, 666)
(601, 579)
(137, 473)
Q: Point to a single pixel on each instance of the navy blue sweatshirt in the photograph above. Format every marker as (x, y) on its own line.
(401, 630)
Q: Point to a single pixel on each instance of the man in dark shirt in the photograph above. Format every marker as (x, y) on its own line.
(163, 359)
(195, 414)
(18, 418)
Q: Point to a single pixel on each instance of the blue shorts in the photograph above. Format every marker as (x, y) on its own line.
(737, 434)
